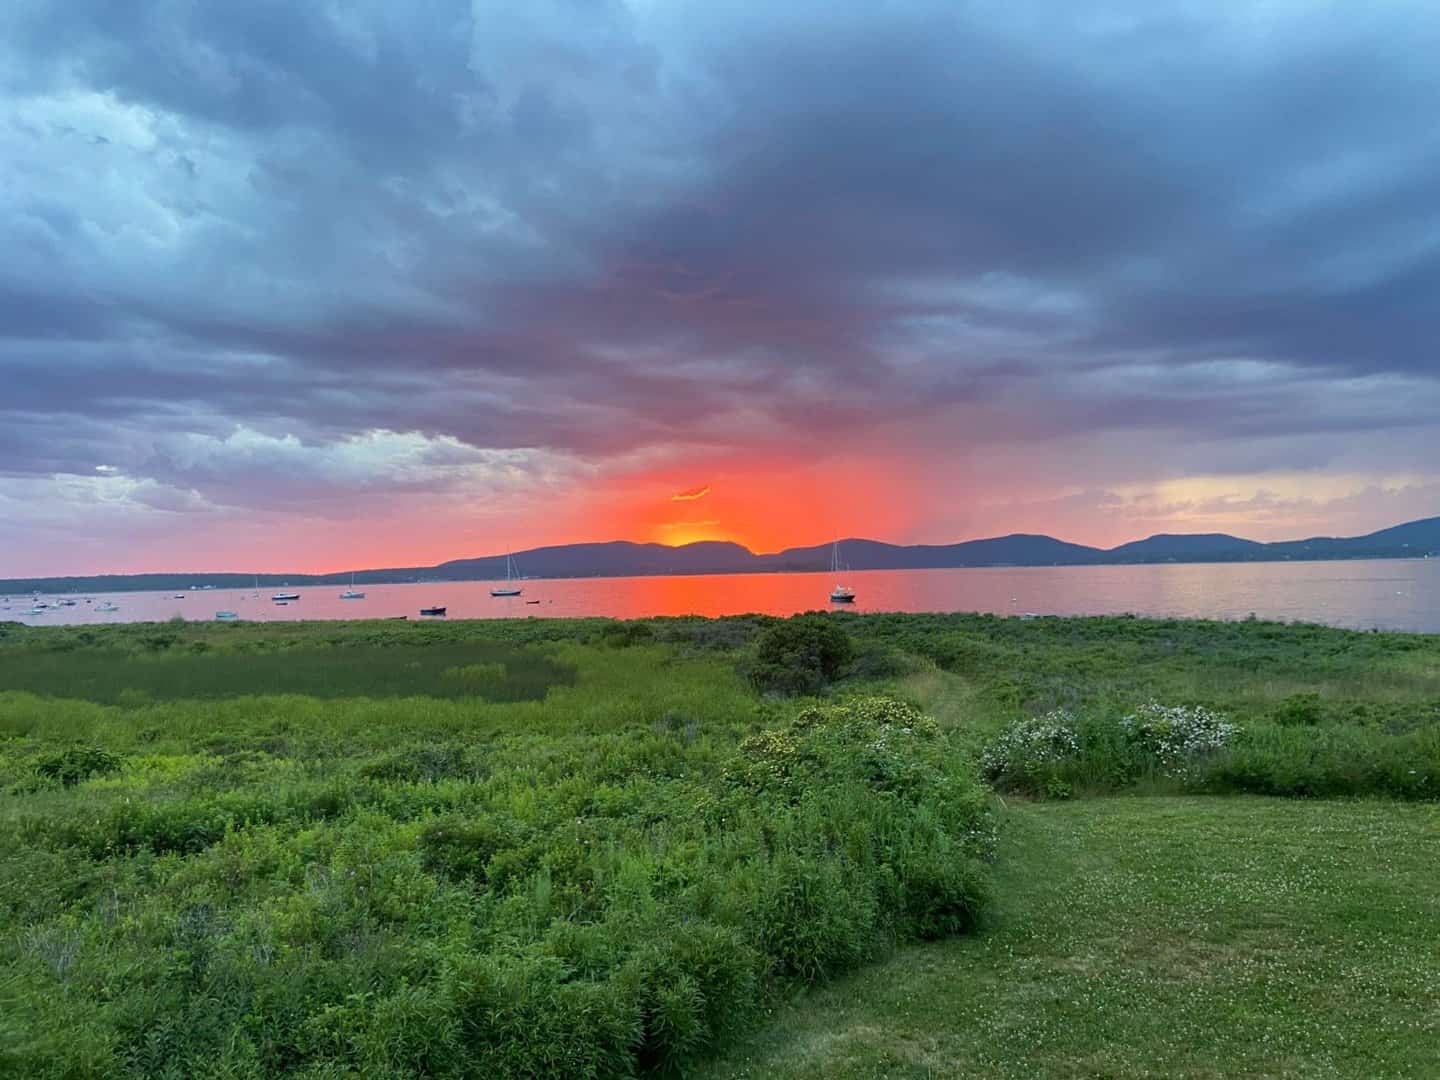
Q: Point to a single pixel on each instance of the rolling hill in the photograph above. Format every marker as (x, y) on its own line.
(622, 558)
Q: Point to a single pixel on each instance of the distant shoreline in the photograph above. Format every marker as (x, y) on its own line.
(124, 584)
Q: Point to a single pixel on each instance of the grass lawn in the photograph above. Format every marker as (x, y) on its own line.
(1156, 937)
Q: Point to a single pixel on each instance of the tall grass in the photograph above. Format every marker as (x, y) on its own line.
(577, 847)
(611, 878)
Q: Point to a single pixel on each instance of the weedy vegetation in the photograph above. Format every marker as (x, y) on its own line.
(583, 848)
(451, 873)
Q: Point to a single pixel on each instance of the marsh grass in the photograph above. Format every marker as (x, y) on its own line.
(497, 671)
(1321, 712)
(583, 848)
(615, 875)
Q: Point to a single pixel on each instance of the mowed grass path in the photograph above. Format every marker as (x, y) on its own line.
(1157, 937)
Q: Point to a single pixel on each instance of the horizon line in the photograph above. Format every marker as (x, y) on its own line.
(697, 543)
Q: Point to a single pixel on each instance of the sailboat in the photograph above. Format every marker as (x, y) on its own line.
(509, 588)
(350, 593)
(840, 594)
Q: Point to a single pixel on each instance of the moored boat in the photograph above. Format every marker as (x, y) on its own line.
(281, 596)
(432, 611)
(226, 616)
(840, 594)
(509, 588)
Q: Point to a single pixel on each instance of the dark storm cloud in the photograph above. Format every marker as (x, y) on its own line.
(589, 228)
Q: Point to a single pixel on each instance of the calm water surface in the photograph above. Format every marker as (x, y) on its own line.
(1395, 594)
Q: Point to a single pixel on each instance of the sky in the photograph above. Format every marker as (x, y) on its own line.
(323, 285)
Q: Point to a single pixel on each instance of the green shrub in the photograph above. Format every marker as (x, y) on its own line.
(1029, 754)
(462, 847)
(78, 763)
(424, 764)
(696, 634)
(624, 634)
(875, 661)
(610, 885)
(1298, 710)
(1178, 737)
(802, 655)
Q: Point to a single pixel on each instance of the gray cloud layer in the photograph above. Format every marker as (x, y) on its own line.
(595, 227)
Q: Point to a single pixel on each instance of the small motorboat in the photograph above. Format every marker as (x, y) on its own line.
(432, 611)
(179, 596)
(227, 616)
(67, 603)
(107, 606)
(281, 597)
(532, 601)
(282, 603)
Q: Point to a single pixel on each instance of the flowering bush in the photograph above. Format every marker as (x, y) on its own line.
(1176, 735)
(1026, 752)
(881, 738)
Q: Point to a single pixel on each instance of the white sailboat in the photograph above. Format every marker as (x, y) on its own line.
(350, 593)
(840, 594)
(509, 588)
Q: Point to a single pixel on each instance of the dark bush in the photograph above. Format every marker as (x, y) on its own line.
(875, 660)
(695, 634)
(79, 763)
(463, 847)
(624, 634)
(801, 655)
(1299, 710)
(423, 764)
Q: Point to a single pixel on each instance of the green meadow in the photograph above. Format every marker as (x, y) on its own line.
(836, 845)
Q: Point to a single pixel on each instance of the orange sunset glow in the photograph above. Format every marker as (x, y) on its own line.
(413, 289)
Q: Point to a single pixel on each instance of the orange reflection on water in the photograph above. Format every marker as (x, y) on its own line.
(1402, 594)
